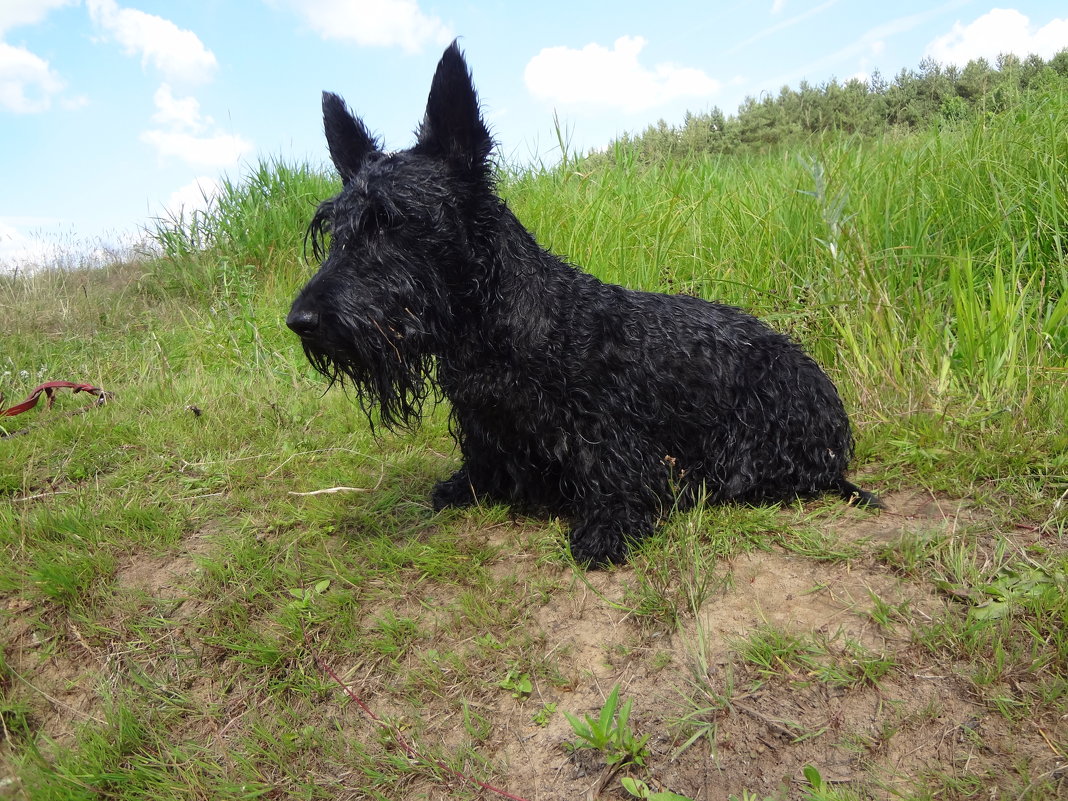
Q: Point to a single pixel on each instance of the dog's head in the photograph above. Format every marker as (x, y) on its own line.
(394, 246)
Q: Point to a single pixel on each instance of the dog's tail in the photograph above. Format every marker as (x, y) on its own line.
(855, 496)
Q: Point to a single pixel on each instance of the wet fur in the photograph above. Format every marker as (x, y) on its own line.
(606, 405)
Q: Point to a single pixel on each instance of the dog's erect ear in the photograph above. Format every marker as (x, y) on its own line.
(346, 136)
(453, 128)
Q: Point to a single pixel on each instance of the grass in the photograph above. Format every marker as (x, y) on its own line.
(774, 652)
(167, 603)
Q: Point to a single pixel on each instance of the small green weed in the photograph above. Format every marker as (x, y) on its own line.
(304, 596)
(886, 614)
(517, 683)
(542, 716)
(639, 789)
(610, 734)
(1016, 585)
(820, 790)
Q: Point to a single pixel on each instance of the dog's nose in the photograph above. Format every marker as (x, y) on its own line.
(303, 322)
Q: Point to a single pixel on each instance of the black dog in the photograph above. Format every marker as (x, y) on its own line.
(571, 396)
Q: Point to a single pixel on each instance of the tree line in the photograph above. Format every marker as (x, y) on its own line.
(932, 94)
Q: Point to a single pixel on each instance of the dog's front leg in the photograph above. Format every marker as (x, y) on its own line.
(457, 491)
(473, 483)
(605, 528)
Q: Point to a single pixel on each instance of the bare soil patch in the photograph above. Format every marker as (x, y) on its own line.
(920, 729)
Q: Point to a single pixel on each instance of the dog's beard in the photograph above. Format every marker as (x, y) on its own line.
(395, 381)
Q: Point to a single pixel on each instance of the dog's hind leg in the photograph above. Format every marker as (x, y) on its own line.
(855, 496)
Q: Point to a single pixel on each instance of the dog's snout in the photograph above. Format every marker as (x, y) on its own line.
(303, 321)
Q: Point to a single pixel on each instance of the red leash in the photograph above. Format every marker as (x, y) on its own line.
(49, 389)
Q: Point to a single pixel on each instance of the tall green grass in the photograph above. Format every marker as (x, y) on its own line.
(256, 220)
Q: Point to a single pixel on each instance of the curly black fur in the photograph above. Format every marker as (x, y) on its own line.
(604, 404)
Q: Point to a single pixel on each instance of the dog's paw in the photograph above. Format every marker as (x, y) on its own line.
(453, 492)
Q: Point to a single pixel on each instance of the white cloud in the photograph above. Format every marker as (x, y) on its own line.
(51, 243)
(14, 13)
(181, 131)
(177, 53)
(195, 196)
(186, 134)
(18, 250)
(596, 75)
(1001, 30)
(74, 103)
(218, 150)
(27, 82)
(31, 243)
(178, 112)
(378, 23)
(777, 6)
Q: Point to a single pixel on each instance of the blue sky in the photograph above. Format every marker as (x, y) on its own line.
(115, 111)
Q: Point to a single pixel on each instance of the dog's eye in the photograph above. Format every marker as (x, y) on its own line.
(378, 220)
